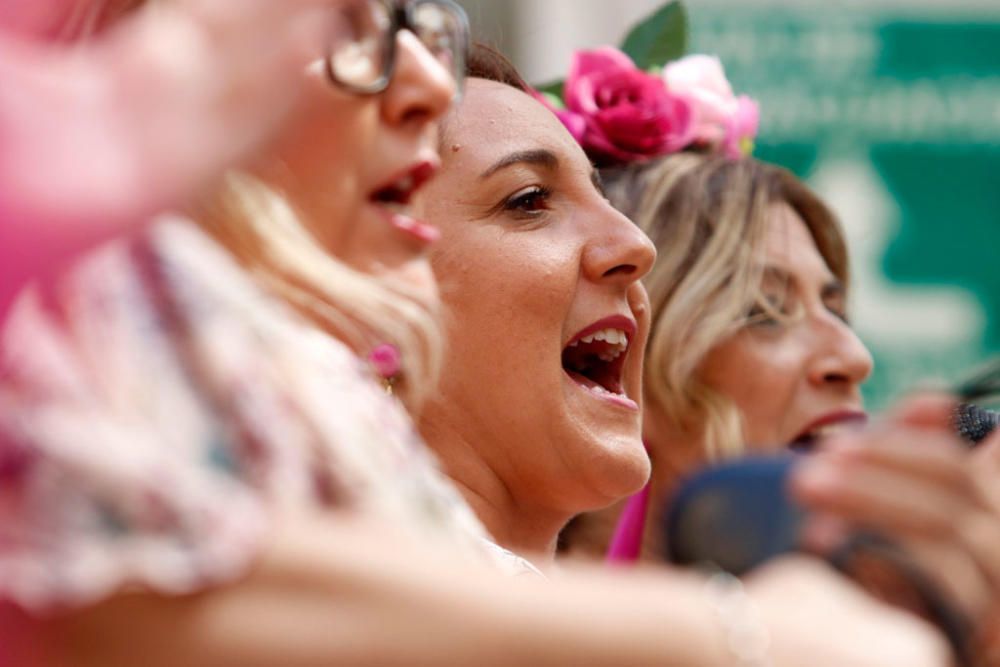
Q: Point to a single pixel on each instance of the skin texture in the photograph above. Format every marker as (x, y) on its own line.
(785, 375)
(521, 271)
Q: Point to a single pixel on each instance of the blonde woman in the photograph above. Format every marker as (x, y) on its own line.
(750, 348)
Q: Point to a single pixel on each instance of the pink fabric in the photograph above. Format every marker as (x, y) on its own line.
(626, 543)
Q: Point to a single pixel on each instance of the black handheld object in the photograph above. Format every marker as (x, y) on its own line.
(735, 515)
(738, 515)
(974, 423)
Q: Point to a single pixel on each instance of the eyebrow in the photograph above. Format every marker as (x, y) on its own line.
(833, 288)
(540, 157)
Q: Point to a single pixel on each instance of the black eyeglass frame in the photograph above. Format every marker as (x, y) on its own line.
(401, 13)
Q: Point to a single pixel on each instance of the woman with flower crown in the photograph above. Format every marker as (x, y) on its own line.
(750, 341)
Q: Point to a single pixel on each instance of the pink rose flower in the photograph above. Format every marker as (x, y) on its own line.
(628, 114)
(721, 119)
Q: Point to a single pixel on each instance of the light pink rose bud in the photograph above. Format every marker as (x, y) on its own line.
(742, 129)
(702, 80)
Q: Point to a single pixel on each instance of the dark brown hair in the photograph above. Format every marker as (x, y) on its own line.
(486, 62)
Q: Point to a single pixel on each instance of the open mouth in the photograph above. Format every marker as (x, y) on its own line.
(395, 197)
(595, 359)
(809, 438)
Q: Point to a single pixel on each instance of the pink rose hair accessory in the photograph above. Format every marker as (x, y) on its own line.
(628, 114)
(620, 113)
(723, 121)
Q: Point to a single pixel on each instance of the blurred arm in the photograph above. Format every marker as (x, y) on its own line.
(351, 592)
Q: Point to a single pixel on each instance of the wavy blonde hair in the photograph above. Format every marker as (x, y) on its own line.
(707, 216)
(260, 228)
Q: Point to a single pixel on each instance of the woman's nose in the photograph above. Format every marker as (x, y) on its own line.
(844, 359)
(619, 252)
(421, 89)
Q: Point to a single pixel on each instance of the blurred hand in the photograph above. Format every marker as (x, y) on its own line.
(818, 618)
(910, 479)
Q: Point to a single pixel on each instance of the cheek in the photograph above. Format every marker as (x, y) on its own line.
(416, 280)
(506, 302)
(759, 377)
(317, 165)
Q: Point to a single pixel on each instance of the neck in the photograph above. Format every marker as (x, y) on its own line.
(528, 530)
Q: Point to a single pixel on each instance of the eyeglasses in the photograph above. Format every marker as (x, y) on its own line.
(362, 52)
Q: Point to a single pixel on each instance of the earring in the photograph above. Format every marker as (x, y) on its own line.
(386, 362)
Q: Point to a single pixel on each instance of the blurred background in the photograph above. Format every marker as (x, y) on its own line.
(889, 108)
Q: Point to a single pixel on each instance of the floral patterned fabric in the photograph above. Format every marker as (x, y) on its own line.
(157, 409)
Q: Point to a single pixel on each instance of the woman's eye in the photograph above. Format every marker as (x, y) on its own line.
(840, 315)
(761, 317)
(531, 201)
(770, 313)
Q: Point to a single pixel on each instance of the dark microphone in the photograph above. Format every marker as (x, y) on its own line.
(974, 423)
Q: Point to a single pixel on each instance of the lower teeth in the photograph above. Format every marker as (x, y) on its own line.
(598, 389)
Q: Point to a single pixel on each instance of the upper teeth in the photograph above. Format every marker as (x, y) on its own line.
(615, 337)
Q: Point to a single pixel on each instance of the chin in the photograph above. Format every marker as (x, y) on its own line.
(618, 468)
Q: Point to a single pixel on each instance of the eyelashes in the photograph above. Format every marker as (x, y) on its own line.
(528, 202)
(773, 315)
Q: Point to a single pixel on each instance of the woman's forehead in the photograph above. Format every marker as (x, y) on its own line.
(495, 118)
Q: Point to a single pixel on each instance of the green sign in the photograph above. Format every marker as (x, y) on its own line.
(895, 119)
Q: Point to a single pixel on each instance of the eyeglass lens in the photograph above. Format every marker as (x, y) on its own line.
(363, 44)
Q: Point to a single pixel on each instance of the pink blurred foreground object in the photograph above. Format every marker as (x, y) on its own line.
(136, 120)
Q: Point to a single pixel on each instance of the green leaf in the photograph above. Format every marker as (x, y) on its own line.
(554, 101)
(660, 37)
(553, 88)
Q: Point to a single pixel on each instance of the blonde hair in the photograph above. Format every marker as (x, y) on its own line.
(707, 217)
(260, 228)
